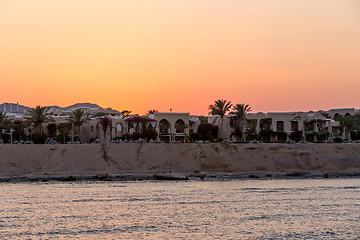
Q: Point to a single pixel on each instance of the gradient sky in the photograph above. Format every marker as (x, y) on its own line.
(277, 55)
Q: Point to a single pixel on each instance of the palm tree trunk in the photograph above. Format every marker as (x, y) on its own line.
(72, 133)
(78, 132)
(242, 131)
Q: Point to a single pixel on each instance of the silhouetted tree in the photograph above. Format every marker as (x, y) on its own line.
(240, 111)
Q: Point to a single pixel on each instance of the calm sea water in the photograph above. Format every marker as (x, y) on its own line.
(251, 209)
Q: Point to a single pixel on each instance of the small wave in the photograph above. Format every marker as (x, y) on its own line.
(352, 187)
(136, 199)
(96, 200)
(84, 200)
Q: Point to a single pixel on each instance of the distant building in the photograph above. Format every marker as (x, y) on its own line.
(170, 126)
(281, 126)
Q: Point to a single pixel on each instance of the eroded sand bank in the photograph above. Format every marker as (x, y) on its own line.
(136, 158)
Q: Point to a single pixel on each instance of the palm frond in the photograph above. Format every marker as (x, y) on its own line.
(221, 107)
(78, 117)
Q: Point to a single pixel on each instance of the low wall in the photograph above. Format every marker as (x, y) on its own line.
(20, 160)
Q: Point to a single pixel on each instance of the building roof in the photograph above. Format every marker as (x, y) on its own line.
(341, 109)
(163, 113)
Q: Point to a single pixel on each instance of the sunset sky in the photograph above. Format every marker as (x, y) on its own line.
(277, 55)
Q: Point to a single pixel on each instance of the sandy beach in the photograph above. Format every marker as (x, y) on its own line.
(135, 158)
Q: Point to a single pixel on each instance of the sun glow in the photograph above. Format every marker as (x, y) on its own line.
(141, 55)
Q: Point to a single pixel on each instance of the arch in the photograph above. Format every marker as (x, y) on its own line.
(134, 127)
(336, 116)
(118, 130)
(151, 125)
(347, 114)
(164, 126)
(179, 126)
(192, 126)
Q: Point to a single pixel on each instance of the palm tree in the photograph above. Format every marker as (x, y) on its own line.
(38, 116)
(348, 123)
(221, 107)
(105, 123)
(18, 127)
(4, 121)
(240, 111)
(203, 119)
(62, 129)
(126, 113)
(77, 118)
(151, 111)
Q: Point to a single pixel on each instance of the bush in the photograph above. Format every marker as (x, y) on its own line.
(253, 136)
(355, 135)
(296, 136)
(126, 137)
(281, 136)
(5, 138)
(195, 136)
(310, 137)
(60, 138)
(149, 134)
(207, 131)
(136, 136)
(322, 136)
(265, 135)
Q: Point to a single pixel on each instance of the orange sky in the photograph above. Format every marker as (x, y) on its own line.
(160, 54)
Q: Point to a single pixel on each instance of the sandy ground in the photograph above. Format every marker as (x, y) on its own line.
(147, 158)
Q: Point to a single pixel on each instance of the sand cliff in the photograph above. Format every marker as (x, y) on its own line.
(22, 160)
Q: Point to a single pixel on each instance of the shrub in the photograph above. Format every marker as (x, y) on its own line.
(136, 136)
(195, 136)
(310, 137)
(296, 136)
(355, 135)
(126, 137)
(252, 136)
(281, 136)
(149, 134)
(265, 135)
(207, 131)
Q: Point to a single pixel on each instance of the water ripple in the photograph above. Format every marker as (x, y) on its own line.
(276, 209)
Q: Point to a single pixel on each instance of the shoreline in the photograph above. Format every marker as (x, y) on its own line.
(203, 176)
(150, 161)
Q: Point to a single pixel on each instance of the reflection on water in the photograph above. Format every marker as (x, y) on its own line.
(200, 210)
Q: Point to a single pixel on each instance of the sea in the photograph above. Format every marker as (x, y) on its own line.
(236, 209)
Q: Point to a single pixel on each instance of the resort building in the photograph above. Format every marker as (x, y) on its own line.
(171, 126)
(282, 126)
(106, 125)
